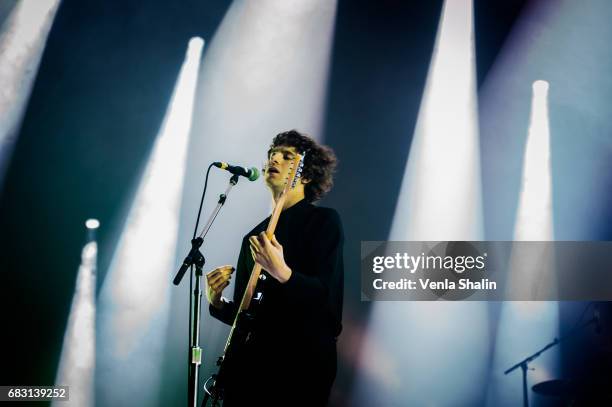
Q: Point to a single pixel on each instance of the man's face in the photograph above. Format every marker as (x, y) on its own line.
(277, 168)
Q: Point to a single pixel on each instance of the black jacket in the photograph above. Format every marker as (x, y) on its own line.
(294, 339)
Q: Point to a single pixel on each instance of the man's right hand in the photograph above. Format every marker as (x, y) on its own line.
(216, 282)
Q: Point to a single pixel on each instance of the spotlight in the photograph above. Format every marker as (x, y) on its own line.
(540, 86)
(92, 224)
(195, 47)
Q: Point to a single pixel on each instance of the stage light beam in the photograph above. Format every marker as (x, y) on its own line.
(526, 326)
(22, 41)
(439, 200)
(534, 218)
(444, 163)
(77, 361)
(134, 299)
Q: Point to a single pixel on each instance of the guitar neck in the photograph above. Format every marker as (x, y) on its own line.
(255, 273)
(250, 289)
(295, 172)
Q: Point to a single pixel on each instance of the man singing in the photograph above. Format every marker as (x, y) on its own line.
(291, 355)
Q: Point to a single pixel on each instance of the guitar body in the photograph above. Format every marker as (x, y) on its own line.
(230, 362)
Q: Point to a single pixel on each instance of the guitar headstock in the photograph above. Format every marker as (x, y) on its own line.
(295, 172)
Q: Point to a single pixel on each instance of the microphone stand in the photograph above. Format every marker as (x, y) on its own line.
(524, 364)
(195, 258)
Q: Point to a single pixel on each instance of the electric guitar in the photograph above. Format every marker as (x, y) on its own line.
(243, 322)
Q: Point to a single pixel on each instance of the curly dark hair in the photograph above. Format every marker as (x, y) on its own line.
(319, 164)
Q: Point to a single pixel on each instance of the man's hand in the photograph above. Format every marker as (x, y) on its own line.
(269, 254)
(216, 282)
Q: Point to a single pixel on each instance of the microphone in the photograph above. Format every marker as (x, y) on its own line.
(251, 173)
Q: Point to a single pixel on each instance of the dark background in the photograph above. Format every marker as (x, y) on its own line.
(104, 82)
